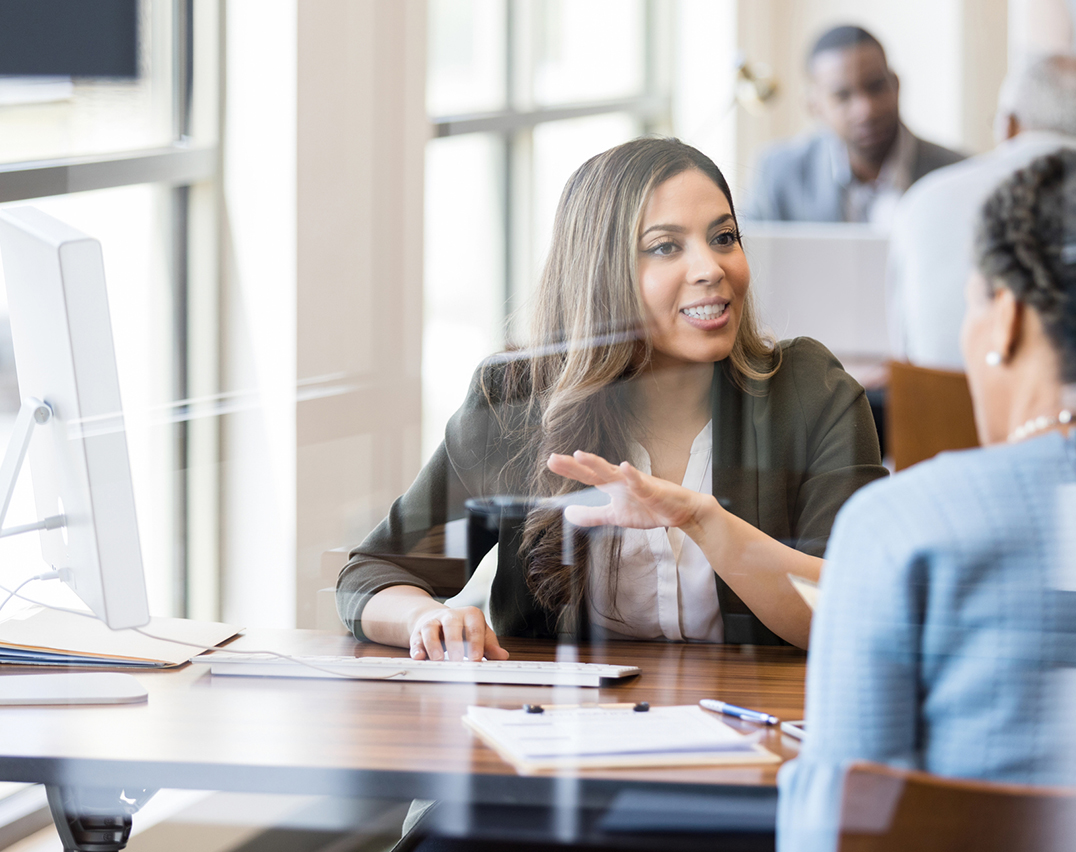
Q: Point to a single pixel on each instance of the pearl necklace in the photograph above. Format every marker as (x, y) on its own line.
(1039, 424)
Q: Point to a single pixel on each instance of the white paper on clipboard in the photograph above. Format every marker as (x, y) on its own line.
(593, 736)
(808, 589)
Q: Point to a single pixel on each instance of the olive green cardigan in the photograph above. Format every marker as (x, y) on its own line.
(785, 458)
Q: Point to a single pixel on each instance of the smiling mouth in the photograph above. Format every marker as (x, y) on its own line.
(705, 312)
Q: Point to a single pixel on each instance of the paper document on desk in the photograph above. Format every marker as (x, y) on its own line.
(808, 590)
(50, 637)
(591, 737)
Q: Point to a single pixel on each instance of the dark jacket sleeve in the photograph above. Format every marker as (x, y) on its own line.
(930, 157)
(787, 456)
(841, 442)
(457, 471)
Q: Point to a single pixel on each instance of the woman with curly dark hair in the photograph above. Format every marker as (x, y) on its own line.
(942, 633)
(727, 455)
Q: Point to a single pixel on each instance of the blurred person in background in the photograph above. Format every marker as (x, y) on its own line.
(726, 455)
(856, 168)
(941, 631)
(930, 252)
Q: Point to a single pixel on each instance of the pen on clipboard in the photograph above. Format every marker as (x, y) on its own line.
(738, 712)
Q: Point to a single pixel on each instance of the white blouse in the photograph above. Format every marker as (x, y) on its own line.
(665, 588)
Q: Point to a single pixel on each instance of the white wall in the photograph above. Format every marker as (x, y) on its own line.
(1039, 26)
(361, 150)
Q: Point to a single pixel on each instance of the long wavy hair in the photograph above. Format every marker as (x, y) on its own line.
(589, 336)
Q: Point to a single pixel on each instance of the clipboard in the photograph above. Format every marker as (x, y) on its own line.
(597, 737)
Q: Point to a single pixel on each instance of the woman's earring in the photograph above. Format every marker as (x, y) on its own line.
(993, 358)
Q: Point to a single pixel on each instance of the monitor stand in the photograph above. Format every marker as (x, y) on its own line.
(68, 687)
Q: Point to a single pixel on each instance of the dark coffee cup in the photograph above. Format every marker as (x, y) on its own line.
(488, 518)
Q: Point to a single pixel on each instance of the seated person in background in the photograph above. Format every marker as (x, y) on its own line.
(940, 628)
(645, 349)
(857, 167)
(931, 241)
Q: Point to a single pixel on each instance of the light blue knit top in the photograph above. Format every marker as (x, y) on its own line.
(944, 639)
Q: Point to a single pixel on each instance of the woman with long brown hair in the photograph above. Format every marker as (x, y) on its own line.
(725, 455)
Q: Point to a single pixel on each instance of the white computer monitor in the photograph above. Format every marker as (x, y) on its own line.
(822, 280)
(64, 357)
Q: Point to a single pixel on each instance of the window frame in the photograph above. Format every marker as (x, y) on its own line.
(180, 166)
(515, 125)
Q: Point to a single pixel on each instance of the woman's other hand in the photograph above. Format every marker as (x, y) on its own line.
(448, 633)
(637, 500)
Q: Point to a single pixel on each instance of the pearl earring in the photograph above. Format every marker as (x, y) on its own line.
(993, 358)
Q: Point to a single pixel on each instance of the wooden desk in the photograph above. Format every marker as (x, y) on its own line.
(380, 739)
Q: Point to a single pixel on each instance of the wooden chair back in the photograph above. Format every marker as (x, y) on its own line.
(927, 411)
(892, 810)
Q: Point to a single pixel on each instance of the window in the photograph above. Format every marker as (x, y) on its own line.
(133, 163)
(519, 94)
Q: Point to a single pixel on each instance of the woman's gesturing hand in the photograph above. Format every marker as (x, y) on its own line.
(637, 500)
(447, 633)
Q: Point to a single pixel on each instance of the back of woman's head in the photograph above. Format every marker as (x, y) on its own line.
(1026, 241)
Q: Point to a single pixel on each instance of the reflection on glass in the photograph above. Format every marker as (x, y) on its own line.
(127, 222)
(466, 56)
(464, 257)
(589, 50)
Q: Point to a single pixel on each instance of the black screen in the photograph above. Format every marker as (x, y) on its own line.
(69, 38)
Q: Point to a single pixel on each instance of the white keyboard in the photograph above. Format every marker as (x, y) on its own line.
(528, 672)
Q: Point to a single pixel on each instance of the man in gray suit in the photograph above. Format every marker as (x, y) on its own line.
(856, 169)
